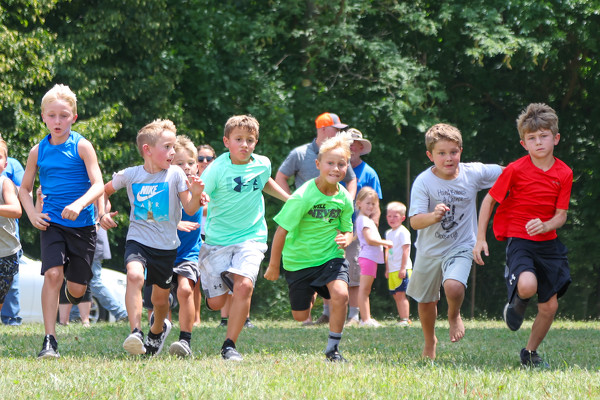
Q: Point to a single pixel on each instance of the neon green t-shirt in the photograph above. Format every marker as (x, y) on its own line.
(313, 220)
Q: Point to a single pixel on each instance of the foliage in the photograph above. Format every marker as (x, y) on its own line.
(389, 68)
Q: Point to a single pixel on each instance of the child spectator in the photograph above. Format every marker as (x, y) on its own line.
(398, 265)
(236, 230)
(10, 211)
(442, 209)
(371, 250)
(534, 194)
(315, 226)
(186, 272)
(157, 190)
(72, 181)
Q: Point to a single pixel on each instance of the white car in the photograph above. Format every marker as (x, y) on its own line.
(30, 287)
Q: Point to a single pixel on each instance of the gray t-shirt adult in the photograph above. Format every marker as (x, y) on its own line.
(300, 164)
(155, 204)
(459, 225)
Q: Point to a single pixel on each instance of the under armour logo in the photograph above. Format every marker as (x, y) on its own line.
(512, 279)
(245, 186)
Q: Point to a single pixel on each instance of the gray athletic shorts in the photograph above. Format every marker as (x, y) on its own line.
(353, 266)
(187, 269)
(218, 263)
(429, 273)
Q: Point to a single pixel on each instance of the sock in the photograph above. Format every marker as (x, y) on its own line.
(187, 336)
(519, 305)
(333, 341)
(224, 319)
(326, 309)
(353, 313)
(228, 343)
(138, 330)
(154, 335)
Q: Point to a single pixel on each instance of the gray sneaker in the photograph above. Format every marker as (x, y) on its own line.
(134, 343)
(180, 348)
(323, 319)
(230, 354)
(49, 348)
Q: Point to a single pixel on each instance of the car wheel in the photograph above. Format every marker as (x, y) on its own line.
(97, 312)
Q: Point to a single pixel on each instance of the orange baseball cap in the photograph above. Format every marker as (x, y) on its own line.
(329, 119)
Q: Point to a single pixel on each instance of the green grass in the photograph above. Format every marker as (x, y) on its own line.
(284, 361)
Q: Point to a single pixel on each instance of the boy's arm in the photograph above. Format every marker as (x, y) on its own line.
(106, 217)
(272, 272)
(37, 219)
(386, 255)
(405, 257)
(275, 190)
(485, 213)
(536, 226)
(343, 239)
(11, 207)
(421, 221)
(190, 199)
(88, 155)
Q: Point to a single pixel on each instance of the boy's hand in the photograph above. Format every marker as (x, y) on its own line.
(187, 226)
(272, 272)
(204, 199)
(402, 273)
(439, 211)
(71, 212)
(343, 240)
(480, 245)
(39, 221)
(535, 227)
(196, 186)
(388, 244)
(107, 222)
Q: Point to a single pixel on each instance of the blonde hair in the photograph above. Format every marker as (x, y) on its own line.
(396, 206)
(4, 147)
(535, 117)
(183, 142)
(247, 122)
(150, 133)
(60, 92)
(442, 132)
(365, 193)
(336, 142)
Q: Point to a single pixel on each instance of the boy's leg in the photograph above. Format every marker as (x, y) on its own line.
(53, 279)
(197, 304)
(542, 323)
(428, 315)
(455, 294)
(185, 296)
(240, 306)
(84, 312)
(338, 290)
(64, 313)
(133, 294)
(402, 305)
(160, 308)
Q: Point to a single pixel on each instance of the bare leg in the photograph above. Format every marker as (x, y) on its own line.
(84, 312)
(455, 294)
(364, 290)
(64, 313)
(185, 296)
(338, 305)
(240, 306)
(428, 315)
(402, 305)
(133, 294)
(53, 279)
(197, 304)
(542, 323)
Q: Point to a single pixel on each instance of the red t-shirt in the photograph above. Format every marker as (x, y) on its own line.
(525, 192)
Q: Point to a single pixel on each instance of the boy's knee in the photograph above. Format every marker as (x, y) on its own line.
(300, 316)
(548, 308)
(184, 291)
(54, 276)
(135, 278)
(243, 288)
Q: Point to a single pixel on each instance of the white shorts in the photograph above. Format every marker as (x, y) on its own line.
(218, 263)
(429, 273)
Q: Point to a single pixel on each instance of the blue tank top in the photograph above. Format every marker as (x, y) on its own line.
(64, 179)
(190, 241)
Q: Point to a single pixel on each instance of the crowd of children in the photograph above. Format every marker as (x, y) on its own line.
(198, 220)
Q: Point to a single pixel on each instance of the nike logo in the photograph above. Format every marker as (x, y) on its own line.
(147, 192)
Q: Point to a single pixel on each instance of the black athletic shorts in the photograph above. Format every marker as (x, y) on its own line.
(304, 283)
(546, 259)
(158, 264)
(72, 248)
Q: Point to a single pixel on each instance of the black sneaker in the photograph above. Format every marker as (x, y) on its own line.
(180, 348)
(532, 359)
(230, 353)
(155, 346)
(249, 324)
(334, 355)
(134, 343)
(323, 319)
(514, 312)
(49, 348)
(223, 323)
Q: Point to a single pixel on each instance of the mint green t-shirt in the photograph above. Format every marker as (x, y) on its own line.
(236, 211)
(313, 220)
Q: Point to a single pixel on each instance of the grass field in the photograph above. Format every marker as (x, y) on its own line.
(284, 361)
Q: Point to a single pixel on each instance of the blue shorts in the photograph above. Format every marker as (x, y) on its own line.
(395, 284)
(547, 260)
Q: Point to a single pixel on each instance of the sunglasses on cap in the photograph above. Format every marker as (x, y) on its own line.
(205, 158)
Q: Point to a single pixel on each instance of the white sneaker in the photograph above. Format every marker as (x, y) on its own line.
(134, 344)
(405, 323)
(370, 323)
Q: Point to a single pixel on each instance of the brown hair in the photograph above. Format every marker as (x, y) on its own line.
(150, 133)
(535, 117)
(247, 122)
(442, 132)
